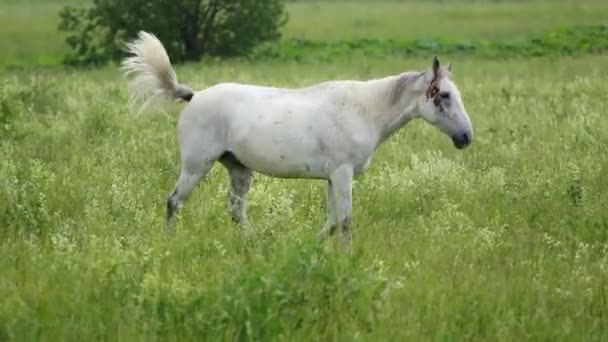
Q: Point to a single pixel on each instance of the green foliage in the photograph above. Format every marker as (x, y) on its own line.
(190, 28)
(294, 294)
(569, 41)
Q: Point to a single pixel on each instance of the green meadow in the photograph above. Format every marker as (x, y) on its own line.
(506, 240)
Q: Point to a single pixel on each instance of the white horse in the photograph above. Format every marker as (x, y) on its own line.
(327, 131)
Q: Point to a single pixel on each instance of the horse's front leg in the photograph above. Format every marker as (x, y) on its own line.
(341, 181)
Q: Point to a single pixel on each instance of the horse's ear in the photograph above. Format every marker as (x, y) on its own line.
(449, 67)
(435, 66)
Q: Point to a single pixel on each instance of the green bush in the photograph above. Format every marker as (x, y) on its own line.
(190, 29)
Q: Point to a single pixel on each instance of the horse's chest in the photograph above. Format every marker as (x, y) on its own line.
(361, 167)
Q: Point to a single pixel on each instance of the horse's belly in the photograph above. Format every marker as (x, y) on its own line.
(282, 155)
(280, 161)
(286, 168)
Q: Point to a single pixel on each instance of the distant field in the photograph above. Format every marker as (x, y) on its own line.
(29, 28)
(453, 19)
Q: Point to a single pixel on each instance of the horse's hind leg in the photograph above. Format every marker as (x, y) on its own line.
(191, 175)
(201, 144)
(240, 179)
(330, 226)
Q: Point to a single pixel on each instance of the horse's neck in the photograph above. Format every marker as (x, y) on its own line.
(395, 102)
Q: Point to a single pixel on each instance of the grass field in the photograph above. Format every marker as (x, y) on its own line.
(507, 240)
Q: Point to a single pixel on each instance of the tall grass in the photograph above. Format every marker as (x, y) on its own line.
(507, 240)
(504, 241)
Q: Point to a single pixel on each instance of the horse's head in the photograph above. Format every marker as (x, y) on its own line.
(441, 105)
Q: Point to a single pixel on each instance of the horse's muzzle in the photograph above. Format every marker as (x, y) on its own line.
(462, 140)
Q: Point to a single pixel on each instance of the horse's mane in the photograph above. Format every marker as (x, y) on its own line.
(403, 81)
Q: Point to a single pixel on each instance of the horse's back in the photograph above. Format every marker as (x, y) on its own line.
(238, 91)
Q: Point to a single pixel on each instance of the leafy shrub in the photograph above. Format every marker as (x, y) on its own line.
(302, 291)
(190, 29)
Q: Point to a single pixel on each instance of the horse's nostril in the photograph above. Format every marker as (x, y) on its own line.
(461, 140)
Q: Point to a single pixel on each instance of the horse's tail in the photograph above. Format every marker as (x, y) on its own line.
(153, 78)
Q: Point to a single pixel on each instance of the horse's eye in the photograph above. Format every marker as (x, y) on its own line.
(444, 95)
